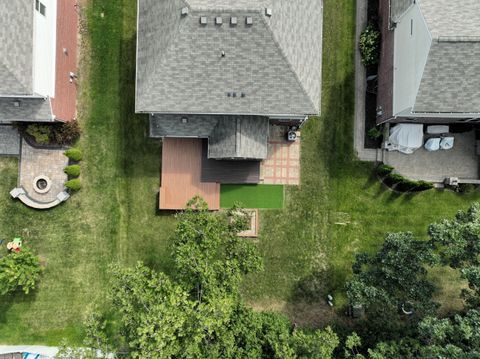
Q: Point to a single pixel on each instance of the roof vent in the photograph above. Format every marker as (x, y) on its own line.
(203, 20)
(184, 120)
(249, 20)
(218, 20)
(234, 94)
(16, 103)
(184, 11)
(268, 11)
(242, 94)
(229, 94)
(234, 20)
(223, 53)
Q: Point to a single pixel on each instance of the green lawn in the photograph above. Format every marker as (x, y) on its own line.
(252, 196)
(308, 247)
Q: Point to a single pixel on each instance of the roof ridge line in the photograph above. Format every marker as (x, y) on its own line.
(277, 44)
(15, 77)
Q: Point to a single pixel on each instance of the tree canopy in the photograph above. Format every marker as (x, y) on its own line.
(19, 270)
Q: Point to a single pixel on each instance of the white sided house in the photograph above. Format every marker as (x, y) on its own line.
(29, 52)
(430, 68)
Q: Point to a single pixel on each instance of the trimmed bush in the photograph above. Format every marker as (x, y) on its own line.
(66, 133)
(41, 133)
(384, 170)
(73, 170)
(73, 184)
(374, 133)
(370, 45)
(403, 184)
(74, 154)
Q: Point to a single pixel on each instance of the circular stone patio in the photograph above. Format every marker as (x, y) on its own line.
(41, 177)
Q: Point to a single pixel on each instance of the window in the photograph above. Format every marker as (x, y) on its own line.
(40, 7)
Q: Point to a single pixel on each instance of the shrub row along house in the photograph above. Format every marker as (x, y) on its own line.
(38, 58)
(224, 82)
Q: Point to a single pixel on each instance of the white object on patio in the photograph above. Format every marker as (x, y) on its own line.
(447, 143)
(438, 129)
(432, 144)
(405, 138)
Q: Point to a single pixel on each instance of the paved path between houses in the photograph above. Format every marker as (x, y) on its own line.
(363, 154)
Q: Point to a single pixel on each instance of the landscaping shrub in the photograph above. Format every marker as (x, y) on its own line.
(374, 133)
(67, 133)
(73, 170)
(19, 270)
(370, 45)
(466, 188)
(384, 170)
(74, 154)
(403, 184)
(73, 184)
(41, 133)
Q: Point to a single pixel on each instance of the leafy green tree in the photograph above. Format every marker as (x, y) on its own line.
(394, 276)
(19, 270)
(209, 255)
(458, 240)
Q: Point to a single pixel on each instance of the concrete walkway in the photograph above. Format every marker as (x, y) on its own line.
(363, 154)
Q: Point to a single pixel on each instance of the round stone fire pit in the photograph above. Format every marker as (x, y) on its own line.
(42, 184)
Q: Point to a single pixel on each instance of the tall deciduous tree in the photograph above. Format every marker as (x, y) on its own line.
(394, 276)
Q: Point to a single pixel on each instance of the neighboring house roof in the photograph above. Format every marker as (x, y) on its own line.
(398, 8)
(449, 80)
(239, 137)
(16, 47)
(29, 109)
(275, 62)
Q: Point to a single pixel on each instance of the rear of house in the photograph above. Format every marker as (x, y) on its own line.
(428, 80)
(38, 59)
(227, 86)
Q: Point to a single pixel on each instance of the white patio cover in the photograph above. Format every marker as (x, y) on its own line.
(406, 137)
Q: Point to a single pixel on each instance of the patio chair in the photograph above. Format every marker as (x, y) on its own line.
(447, 143)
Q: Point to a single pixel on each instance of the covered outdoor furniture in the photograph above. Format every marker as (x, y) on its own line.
(405, 138)
(447, 143)
(432, 144)
(438, 129)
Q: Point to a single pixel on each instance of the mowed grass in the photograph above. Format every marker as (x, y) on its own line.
(252, 196)
(114, 217)
(340, 209)
(308, 247)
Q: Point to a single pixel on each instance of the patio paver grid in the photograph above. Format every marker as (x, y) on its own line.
(47, 162)
(282, 165)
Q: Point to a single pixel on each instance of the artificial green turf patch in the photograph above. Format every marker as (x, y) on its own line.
(252, 196)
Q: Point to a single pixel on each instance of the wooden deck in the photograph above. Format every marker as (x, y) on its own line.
(64, 103)
(181, 175)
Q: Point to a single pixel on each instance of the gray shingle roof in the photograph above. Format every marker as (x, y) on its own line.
(398, 8)
(16, 47)
(451, 75)
(447, 18)
(451, 78)
(172, 125)
(30, 109)
(239, 137)
(276, 62)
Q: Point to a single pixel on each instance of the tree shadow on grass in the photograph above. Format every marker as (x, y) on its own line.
(18, 297)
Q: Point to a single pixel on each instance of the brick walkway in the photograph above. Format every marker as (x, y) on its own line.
(42, 162)
(282, 165)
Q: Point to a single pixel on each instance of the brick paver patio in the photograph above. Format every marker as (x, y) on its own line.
(282, 165)
(42, 162)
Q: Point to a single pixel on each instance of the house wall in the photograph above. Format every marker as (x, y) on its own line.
(44, 44)
(412, 45)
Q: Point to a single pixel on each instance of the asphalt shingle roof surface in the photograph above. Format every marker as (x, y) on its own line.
(16, 47)
(398, 8)
(30, 109)
(275, 62)
(451, 77)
